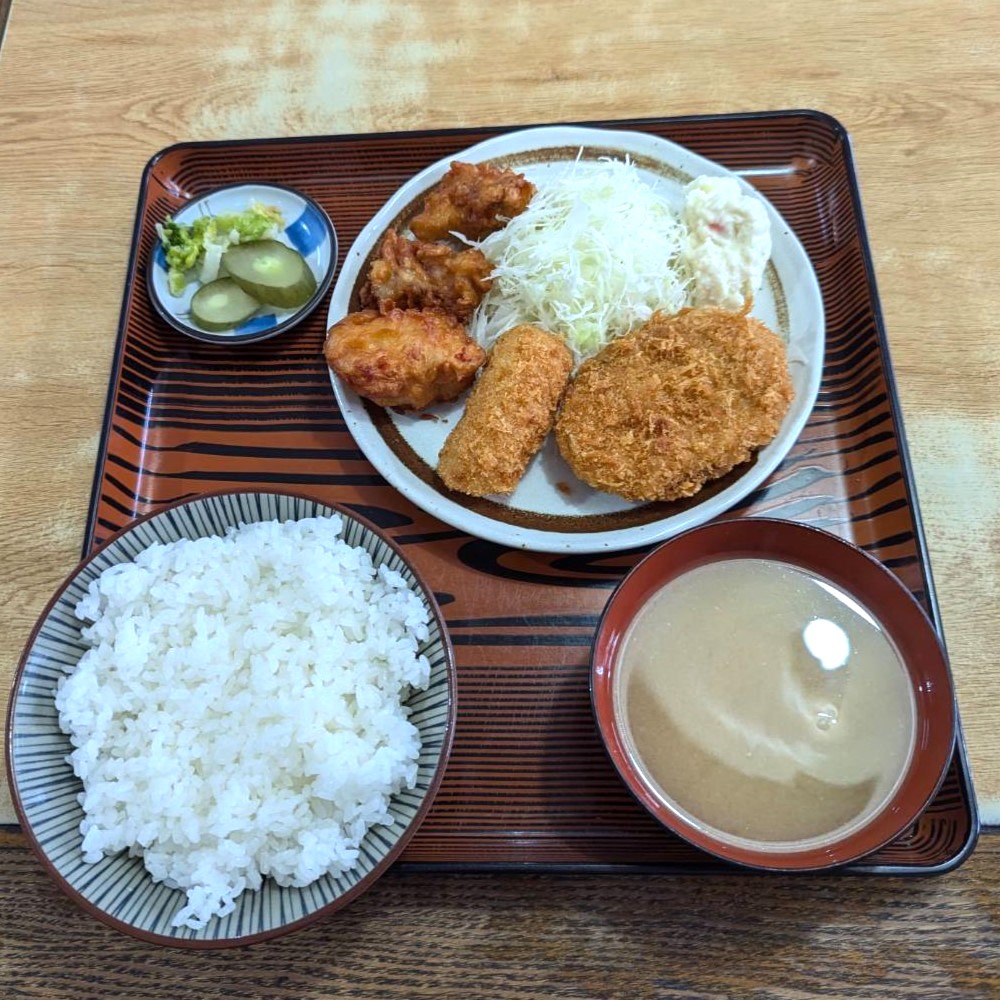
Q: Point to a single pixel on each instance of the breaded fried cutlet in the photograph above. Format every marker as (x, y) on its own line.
(675, 404)
(508, 414)
(474, 199)
(408, 358)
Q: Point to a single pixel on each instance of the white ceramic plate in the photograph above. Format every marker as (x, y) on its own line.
(551, 510)
(308, 229)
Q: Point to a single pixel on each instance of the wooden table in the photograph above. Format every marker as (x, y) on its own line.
(89, 91)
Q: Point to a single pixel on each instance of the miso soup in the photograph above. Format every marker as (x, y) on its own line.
(765, 703)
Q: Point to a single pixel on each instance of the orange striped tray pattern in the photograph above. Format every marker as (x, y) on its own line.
(528, 783)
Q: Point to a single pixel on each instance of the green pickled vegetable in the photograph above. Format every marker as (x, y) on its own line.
(201, 244)
(271, 272)
(222, 305)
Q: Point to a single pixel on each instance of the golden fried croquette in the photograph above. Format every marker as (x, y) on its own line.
(675, 404)
(473, 199)
(411, 274)
(408, 359)
(508, 414)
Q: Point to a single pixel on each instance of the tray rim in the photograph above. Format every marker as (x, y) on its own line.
(842, 134)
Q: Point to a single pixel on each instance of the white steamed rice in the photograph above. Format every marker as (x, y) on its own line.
(239, 714)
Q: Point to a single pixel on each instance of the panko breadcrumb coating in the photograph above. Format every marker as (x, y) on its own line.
(679, 402)
(508, 414)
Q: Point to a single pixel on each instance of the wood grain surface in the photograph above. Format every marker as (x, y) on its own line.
(917, 91)
(533, 936)
(89, 90)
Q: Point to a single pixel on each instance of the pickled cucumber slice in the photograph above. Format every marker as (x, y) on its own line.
(222, 305)
(271, 272)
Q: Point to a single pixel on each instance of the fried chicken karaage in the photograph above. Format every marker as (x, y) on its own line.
(407, 359)
(411, 274)
(677, 403)
(508, 414)
(473, 199)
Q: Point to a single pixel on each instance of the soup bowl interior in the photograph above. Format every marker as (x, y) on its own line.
(853, 572)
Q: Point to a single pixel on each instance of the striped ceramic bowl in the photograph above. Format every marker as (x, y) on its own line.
(118, 890)
(308, 229)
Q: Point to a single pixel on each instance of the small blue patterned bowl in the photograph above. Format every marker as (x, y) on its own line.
(308, 229)
(118, 889)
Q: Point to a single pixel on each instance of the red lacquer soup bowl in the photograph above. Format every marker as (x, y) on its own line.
(860, 582)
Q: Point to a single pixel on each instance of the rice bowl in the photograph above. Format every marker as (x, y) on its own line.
(277, 807)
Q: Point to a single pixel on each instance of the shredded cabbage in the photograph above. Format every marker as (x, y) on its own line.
(594, 255)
